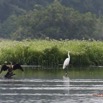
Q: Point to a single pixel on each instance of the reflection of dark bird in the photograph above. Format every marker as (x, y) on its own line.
(9, 74)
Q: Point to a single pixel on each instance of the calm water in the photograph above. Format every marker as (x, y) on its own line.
(52, 87)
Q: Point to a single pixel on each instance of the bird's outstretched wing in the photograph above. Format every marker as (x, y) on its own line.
(17, 66)
(4, 68)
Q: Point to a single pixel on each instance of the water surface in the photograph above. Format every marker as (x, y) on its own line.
(47, 86)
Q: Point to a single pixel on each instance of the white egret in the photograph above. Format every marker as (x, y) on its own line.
(66, 61)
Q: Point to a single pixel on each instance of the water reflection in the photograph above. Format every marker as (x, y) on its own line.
(66, 82)
(51, 87)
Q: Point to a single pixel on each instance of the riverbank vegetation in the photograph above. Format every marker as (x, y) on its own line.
(52, 52)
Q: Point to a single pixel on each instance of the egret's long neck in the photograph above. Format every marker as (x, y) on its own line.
(68, 55)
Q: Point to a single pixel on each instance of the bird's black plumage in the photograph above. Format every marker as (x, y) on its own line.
(10, 69)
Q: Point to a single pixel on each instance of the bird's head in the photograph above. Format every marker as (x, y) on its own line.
(5, 62)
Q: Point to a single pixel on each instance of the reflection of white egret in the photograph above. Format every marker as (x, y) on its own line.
(66, 62)
(66, 82)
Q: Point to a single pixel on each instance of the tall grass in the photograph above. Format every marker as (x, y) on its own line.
(52, 52)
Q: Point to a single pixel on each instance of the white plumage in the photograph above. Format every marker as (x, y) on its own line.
(66, 62)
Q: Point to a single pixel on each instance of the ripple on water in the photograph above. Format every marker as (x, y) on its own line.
(61, 90)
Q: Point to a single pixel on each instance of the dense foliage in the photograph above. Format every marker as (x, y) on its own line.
(52, 52)
(21, 19)
(9, 7)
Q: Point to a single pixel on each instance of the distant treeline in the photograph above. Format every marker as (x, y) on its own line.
(52, 52)
(18, 7)
(54, 20)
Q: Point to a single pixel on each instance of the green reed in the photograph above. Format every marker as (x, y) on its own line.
(52, 52)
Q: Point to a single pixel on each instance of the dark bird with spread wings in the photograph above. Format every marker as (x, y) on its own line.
(10, 69)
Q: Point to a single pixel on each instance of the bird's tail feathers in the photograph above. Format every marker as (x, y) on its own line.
(63, 67)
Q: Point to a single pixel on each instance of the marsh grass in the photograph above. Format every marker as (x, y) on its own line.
(52, 52)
